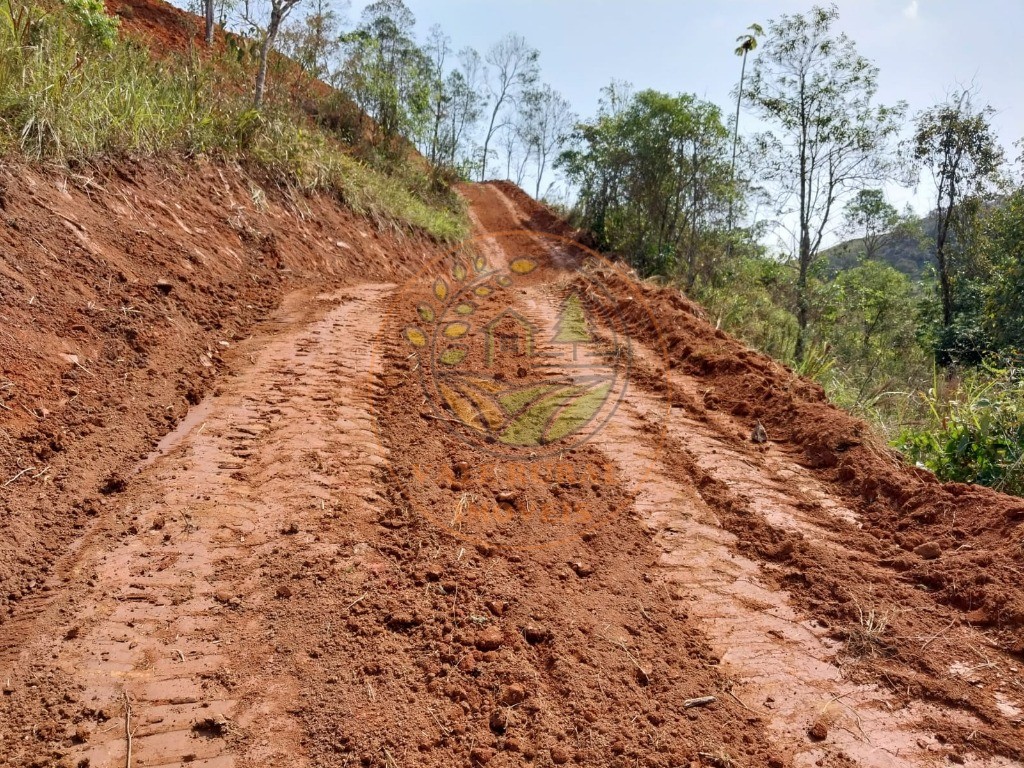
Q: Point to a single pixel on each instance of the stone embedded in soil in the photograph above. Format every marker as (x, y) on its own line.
(490, 639)
(481, 755)
(559, 755)
(581, 569)
(535, 634)
(512, 695)
(818, 730)
(929, 550)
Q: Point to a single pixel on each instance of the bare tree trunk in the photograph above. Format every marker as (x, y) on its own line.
(209, 22)
(268, 43)
(736, 137)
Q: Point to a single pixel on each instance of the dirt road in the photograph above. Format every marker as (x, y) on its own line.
(362, 550)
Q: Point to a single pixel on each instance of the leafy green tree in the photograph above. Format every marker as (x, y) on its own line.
(652, 172)
(955, 143)
(829, 136)
(314, 40)
(869, 217)
(386, 71)
(870, 324)
(1004, 245)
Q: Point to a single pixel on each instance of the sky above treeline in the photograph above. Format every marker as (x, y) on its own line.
(923, 48)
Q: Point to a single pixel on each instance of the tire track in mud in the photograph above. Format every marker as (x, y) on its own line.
(785, 666)
(171, 626)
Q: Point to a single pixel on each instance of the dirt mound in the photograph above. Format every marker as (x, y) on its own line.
(948, 537)
(124, 291)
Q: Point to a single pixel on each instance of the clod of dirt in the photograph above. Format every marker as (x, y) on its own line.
(284, 591)
(514, 694)
(929, 550)
(481, 755)
(489, 640)
(818, 730)
(164, 286)
(559, 755)
(212, 727)
(81, 735)
(535, 635)
(291, 529)
(115, 483)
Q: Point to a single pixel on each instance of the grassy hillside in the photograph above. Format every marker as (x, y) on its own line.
(77, 84)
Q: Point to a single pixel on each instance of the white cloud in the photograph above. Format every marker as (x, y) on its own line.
(911, 10)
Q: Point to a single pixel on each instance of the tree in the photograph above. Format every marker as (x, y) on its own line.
(829, 136)
(1004, 245)
(747, 43)
(466, 105)
(208, 8)
(437, 49)
(314, 41)
(870, 326)
(548, 120)
(652, 172)
(869, 217)
(512, 69)
(386, 72)
(279, 10)
(956, 144)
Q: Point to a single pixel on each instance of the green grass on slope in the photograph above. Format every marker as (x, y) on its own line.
(71, 87)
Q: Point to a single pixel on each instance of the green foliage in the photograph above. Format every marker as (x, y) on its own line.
(828, 137)
(654, 181)
(94, 19)
(1004, 296)
(973, 433)
(67, 92)
(955, 142)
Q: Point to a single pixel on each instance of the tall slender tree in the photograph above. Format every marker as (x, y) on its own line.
(747, 43)
(511, 70)
(279, 10)
(208, 8)
(955, 142)
(829, 138)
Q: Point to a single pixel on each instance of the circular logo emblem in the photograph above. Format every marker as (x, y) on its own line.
(520, 345)
(518, 367)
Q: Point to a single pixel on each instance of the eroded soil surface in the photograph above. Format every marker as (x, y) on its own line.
(360, 547)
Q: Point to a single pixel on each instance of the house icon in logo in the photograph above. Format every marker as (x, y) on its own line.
(508, 334)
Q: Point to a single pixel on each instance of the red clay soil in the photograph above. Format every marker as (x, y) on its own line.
(338, 558)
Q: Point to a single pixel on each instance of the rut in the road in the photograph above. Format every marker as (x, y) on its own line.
(283, 446)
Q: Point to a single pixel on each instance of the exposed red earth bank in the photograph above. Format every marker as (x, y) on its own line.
(281, 488)
(240, 526)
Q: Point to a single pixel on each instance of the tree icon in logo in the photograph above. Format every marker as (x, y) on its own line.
(572, 325)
